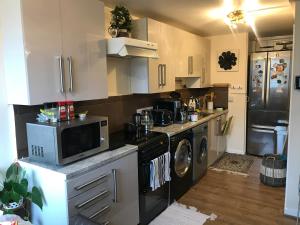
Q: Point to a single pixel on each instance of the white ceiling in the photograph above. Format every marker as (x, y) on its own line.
(205, 17)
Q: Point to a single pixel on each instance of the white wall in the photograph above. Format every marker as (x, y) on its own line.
(8, 149)
(236, 140)
(293, 164)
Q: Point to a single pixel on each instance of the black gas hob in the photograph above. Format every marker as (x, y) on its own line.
(140, 139)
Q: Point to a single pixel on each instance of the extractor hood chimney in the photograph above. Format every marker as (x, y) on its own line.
(129, 47)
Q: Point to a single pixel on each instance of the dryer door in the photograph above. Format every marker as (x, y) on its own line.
(183, 158)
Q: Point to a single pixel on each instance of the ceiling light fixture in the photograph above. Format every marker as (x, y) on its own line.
(236, 17)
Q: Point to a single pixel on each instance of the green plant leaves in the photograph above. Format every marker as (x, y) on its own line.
(15, 187)
(20, 189)
(14, 196)
(36, 197)
(121, 18)
(4, 197)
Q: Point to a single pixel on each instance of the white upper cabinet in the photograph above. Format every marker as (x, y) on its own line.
(38, 42)
(84, 49)
(154, 75)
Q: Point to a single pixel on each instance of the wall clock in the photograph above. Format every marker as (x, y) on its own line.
(227, 60)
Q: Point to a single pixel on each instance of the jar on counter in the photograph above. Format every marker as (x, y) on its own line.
(70, 110)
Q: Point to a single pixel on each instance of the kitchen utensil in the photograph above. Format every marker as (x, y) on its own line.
(210, 106)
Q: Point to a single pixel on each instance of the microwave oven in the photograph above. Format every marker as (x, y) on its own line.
(65, 142)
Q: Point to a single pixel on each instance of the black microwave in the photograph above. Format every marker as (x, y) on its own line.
(65, 142)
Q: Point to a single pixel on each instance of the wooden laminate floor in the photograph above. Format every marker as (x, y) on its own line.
(238, 200)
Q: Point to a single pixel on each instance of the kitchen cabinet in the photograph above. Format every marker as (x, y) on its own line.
(192, 56)
(106, 195)
(54, 50)
(216, 140)
(154, 75)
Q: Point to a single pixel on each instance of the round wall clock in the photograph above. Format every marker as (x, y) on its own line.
(227, 60)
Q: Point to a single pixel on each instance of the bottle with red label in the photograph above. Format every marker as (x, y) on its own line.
(62, 111)
(70, 110)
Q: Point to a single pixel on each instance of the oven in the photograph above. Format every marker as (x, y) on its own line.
(151, 203)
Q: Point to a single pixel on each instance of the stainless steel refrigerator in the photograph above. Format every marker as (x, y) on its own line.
(268, 103)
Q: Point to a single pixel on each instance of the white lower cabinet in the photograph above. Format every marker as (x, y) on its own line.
(53, 50)
(106, 195)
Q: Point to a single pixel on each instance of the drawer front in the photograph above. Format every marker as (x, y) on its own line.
(95, 198)
(100, 177)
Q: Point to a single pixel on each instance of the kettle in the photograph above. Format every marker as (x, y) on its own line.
(147, 120)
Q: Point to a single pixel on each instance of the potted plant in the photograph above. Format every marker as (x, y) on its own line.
(14, 192)
(121, 22)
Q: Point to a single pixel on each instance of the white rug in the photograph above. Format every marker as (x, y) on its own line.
(178, 214)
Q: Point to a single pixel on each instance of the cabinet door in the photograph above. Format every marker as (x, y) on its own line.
(42, 45)
(181, 53)
(83, 41)
(126, 209)
(167, 57)
(221, 148)
(161, 71)
(212, 142)
(154, 67)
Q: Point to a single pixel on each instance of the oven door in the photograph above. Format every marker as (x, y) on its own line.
(152, 203)
(79, 141)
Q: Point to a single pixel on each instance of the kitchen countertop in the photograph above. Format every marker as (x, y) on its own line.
(174, 129)
(87, 164)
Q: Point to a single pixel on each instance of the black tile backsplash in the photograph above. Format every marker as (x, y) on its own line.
(119, 109)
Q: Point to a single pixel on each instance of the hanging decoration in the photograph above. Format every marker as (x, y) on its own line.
(228, 61)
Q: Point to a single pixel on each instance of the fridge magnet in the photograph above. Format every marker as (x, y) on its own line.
(228, 60)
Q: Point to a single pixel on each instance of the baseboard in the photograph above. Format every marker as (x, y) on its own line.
(235, 151)
(290, 212)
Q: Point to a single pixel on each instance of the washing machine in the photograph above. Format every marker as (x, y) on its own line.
(181, 149)
(200, 151)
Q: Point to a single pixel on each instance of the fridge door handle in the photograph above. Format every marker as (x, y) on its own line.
(263, 131)
(268, 81)
(264, 81)
(263, 127)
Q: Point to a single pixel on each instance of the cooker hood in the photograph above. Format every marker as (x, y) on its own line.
(129, 47)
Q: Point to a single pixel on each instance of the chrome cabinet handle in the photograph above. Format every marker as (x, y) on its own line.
(106, 223)
(159, 75)
(91, 199)
(114, 172)
(62, 76)
(70, 73)
(165, 74)
(91, 182)
(99, 212)
(190, 65)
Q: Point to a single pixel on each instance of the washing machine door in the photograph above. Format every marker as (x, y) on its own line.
(183, 158)
(202, 153)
